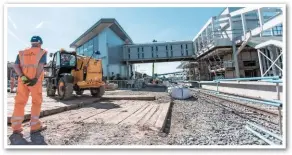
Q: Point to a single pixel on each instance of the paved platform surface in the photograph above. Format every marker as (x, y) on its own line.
(53, 105)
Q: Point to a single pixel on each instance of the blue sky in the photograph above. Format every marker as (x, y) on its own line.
(60, 26)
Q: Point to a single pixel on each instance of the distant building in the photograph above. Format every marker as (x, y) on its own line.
(10, 70)
(239, 42)
(106, 36)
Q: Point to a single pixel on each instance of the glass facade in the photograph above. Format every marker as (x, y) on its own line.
(95, 45)
(87, 48)
(80, 50)
(90, 48)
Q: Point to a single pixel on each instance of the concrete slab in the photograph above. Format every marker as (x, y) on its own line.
(160, 123)
(112, 109)
(148, 115)
(140, 113)
(127, 97)
(50, 105)
(124, 114)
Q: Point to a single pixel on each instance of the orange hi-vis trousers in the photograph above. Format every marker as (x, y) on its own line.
(21, 99)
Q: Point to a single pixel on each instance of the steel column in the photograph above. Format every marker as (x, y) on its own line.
(271, 50)
(279, 108)
(234, 51)
(261, 20)
(213, 29)
(235, 60)
(244, 28)
(260, 62)
(153, 69)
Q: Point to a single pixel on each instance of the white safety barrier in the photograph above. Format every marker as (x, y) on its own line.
(180, 93)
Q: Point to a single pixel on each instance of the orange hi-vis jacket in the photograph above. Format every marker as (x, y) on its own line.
(29, 60)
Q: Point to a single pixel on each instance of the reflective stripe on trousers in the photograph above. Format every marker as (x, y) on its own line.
(35, 123)
(21, 100)
(16, 122)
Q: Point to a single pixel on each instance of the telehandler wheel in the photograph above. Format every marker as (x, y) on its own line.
(79, 92)
(50, 90)
(65, 89)
(97, 92)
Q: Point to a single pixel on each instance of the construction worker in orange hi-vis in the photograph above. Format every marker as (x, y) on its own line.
(29, 66)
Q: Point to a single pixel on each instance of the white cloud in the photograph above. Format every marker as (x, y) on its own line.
(16, 37)
(40, 25)
(12, 22)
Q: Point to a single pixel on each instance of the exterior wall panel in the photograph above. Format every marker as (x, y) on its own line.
(158, 50)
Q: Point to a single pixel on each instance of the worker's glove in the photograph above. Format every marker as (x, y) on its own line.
(32, 82)
(25, 80)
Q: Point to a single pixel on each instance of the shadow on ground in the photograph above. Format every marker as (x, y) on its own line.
(104, 105)
(96, 103)
(33, 139)
(75, 99)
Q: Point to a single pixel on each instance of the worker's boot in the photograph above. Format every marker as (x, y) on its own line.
(18, 132)
(42, 128)
(37, 126)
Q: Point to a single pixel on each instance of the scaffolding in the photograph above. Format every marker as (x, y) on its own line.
(234, 30)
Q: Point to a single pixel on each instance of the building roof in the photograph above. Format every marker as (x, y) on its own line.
(254, 41)
(98, 27)
(161, 43)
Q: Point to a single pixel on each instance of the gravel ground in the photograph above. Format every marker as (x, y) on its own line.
(196, 121)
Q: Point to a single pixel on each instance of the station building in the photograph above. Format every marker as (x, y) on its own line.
(238, 42)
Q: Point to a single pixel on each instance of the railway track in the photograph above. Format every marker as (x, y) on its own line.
(266, 117)
(265, 110)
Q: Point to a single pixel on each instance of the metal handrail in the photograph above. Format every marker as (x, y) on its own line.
(253, 78)
(275, 103)
(273, 81)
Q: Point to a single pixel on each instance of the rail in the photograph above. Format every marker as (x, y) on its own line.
(253, 127)
(252, 78)
(273, 79)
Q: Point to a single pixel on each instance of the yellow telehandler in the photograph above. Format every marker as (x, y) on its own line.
(70, 72)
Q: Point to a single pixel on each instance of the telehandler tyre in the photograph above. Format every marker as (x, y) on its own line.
(97, 92)
(65, 89)
(79, 92)
(50, 90)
